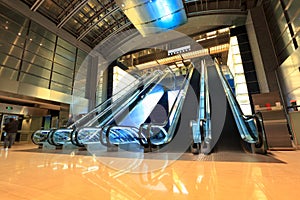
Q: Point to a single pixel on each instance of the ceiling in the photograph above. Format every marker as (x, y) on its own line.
(95, 21)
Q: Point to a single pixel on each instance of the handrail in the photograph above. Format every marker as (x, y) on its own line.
(72, 129)
(201, 126)
(247, 135)
(128, 98)
(108, 130)
(112, 127)
(177, 106)
(132, 89)
(86, 117)
(61, 136)
(124, 106)
(207, 125)
(39, 136)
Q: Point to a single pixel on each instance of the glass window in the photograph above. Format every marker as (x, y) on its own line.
(286, 52)
(283, 41)
(16, 17)
(81, 58)
(293, 10)
(42, 32)
(11, 50)
(61, 79)
(9, 61)
(41, 41)
(10, 38)
(34, 80)
(65, 53)
(37, 60)
(39, 50)
(66, 45)
(63, 70)
(241, 89)
(64, 62)
(237, 58)
(238, 68)
(296, 23)
(60, 88)
(36, 70)
(8, 73)
(239, 78)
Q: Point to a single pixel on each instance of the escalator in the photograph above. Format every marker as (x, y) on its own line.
(154, 132)
(130, 115)
(102, 111)
(231, 130)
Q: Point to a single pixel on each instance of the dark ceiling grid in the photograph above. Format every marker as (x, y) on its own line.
(96, 18)
(108, 32)
(70, 11)
(51, 10)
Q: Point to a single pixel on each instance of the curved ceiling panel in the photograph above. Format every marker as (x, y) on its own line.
(154, 16)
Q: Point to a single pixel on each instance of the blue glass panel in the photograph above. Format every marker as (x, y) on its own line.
(142, 110)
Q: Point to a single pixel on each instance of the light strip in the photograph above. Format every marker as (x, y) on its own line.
(183, 56)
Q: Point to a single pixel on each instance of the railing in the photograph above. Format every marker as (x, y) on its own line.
(116, 107)
(61, 136)
(250, 127)
(133, 136)
(164, 136)
(201, 127)
(104, 106)
(40, 136)
(100, 123)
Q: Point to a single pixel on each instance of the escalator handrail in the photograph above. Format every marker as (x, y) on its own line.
(132, 87)
(239, 117)
(103, 127)
(53, 135)
(174, 109)
(122, 127)
(128, 98)
(202, 131)
(120, 109)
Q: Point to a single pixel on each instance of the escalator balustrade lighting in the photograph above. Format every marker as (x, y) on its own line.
(154, 16)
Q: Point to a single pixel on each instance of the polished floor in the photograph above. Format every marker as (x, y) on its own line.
(38, 174)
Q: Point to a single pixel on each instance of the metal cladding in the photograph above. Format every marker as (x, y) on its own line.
(154, 16)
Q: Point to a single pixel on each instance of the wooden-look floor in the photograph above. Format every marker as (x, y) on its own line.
(29, 173)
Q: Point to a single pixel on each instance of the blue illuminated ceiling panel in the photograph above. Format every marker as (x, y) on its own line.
(154, 16)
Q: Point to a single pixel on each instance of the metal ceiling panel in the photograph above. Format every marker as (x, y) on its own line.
(154, 16)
